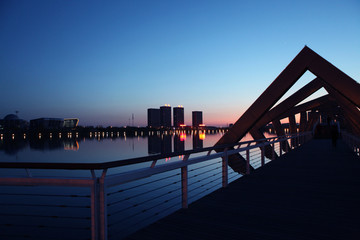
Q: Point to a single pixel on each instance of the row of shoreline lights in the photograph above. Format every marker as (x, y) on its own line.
(69, 135)
(103, 134)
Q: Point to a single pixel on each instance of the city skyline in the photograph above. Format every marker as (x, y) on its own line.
(107, 62)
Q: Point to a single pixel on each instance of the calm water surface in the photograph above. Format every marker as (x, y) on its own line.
(101, 149)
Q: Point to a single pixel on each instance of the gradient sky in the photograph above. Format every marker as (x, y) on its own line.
(102, 61)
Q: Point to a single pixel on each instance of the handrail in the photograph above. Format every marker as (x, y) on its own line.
(130, 161)
(99, 184)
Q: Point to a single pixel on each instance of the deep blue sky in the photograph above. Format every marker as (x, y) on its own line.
(101, 61)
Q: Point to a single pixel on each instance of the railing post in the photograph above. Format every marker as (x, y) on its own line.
(273, 152)
(98, 208)
(225, 169)
(102, 207)
(263, 155)
(247, 161)
(184, 187)
(94, 225)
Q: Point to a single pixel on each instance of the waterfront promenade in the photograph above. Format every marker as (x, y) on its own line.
(310, 193)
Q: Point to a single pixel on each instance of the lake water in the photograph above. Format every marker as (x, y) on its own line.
(102, 147)
(43, 212)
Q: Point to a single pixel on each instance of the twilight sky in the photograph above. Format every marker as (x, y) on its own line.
(102, 61)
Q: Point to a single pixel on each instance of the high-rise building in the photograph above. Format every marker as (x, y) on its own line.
(178, 116)
(165, 116)
(153, 117)
(197, 118)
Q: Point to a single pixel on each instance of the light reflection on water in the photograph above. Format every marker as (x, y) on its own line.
(101, 150)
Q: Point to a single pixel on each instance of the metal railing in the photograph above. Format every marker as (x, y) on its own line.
(135, 188)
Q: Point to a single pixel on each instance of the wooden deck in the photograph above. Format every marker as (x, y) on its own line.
(312, 192)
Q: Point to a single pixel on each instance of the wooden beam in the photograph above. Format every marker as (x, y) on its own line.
(290, 102)
(337, 79)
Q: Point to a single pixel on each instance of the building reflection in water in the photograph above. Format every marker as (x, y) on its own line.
(159, 144)
(166, 144)
(198, 140)
(12, 147)
(154, 144)
(162, 144)
(44, 144)
(71, 145)
(202, 135)
(179, 142)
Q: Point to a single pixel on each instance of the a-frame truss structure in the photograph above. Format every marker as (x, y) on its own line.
(343, 97)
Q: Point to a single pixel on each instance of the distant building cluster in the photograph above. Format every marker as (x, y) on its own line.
(13, 122)
(53, 123)
(161, 117)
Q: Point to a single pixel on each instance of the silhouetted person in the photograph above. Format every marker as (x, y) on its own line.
(334, 135)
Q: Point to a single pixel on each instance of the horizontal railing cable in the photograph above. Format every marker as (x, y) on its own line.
(143, 202)
(46, 226)
(232, 176)
(42, 216)
(202, 173)
(142, 211)
(143, 184)
(143, 193)
(146, 219)
(207, 189)
(202, 185)
(208, 165)
(43, 205)
(45, 195)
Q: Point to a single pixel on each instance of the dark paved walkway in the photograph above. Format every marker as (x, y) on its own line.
(310, 193)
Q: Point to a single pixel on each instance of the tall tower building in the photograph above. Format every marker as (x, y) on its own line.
(165, 116)
(153, 115)
(178, 116)
(197, 118)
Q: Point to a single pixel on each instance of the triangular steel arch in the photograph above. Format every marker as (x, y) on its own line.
(307, 59)
(258, 113)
